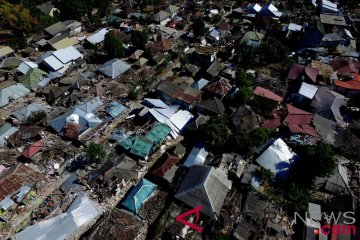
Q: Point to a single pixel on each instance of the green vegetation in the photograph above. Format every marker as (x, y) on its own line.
(263, 106)
(94, 152)
(243, 82)
(222, 136)
(251, 56)
(198, 27)
(216, 19)
(113, 46)
(217, 132)
(78, 9)
(35, 117)
(139, 38)
(16, 17)
(316, 161)
(135, 92)
(264, 174)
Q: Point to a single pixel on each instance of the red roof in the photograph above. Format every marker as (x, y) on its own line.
(343, 67)
(221, 87)
(32, 149)
(272, 123)
(167, 165)
(297, 69)
(312, 73)
(299, 121)
(267, 94)
(352, 85)
(16, 178)
(224, 26)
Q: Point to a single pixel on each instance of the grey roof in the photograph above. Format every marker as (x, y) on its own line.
(6, 130)
(80, 213)
(6, 203)
(168, 88)
(205, 186)
(201, 83)
(114, 68)
(121, 167)
(160, 16)
(12, 92)
(337, 182)
(215, 68)
(215, 105)
(46, 7)
(327, 104)
(90, 105)
(56, 28)
(23, 113)
(328, 130)
(23, 191)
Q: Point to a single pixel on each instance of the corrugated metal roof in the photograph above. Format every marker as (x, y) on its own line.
(5, 50)
(12, 92)
(26, 66)
(22, 113)
(98, 37)
(6, 203)
(32, 149)
(64, 43)
(114, 68)
(53, 62)
(155, 102)
(115, 109)
(267, 94)
(6, 130)
(67, 55)
(80, 213)
(205, 186)
(197, 156)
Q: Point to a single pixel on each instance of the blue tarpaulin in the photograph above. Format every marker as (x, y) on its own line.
(139, 195)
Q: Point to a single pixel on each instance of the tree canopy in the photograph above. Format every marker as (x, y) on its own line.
(139, 38)
(113, 46)
(16, 17)
(79, 8)
(316, 161)
(199, 28)
(94, 152)
(253, 56)
(217, 132)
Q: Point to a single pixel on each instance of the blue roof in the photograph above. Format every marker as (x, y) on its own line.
(139, 195)
(90, 105)
(200, 84)
(82, 110)
(115, 109)
(6, 130)
(24, 190)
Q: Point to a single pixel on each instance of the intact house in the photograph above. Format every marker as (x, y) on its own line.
(162, 17)
(205, 186)
(60, 60)
(175, 94)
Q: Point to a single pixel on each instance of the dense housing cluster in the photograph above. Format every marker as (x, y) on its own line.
(118, 116)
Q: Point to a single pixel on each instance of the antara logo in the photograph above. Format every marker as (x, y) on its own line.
(345, 228)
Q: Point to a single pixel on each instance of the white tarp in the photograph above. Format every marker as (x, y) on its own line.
(277, 157)
(308, 90)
